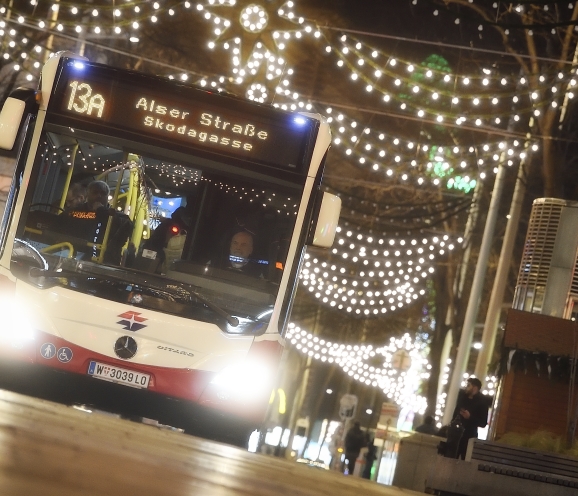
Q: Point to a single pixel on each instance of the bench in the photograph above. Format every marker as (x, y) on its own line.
(515, 461)
(494, 468)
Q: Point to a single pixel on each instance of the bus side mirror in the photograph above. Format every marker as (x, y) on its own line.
(13, 111)
(327, 221)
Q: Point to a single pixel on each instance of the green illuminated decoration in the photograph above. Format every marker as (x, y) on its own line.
(460, 183)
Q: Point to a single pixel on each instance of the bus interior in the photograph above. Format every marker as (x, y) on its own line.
(182, 216)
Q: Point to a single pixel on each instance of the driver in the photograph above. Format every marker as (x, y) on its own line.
(240, 251)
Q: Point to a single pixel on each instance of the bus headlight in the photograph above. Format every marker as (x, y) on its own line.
(243, 381)
(16, 330)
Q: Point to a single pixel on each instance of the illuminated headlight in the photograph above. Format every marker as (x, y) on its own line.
(243, 381)
(15, 329)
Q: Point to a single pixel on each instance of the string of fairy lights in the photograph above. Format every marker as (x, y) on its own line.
(265, 31)
(454, 166)
(439, 95)
(370, 276)
(89, 158)
(227, 30)
(276, 26)
(397, 368)
(555, 20)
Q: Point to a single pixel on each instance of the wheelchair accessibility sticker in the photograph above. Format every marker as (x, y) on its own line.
(64, 354)
(48, 351)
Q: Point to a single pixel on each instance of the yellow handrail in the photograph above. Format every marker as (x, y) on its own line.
(58, 247)
(68, 176)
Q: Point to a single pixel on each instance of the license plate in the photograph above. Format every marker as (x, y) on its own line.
(118, 374)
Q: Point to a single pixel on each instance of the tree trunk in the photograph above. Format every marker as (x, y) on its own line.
(443, 288)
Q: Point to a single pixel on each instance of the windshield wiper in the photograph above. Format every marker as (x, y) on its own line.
(231, 320)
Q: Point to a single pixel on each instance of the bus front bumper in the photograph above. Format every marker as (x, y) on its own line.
(228, 393)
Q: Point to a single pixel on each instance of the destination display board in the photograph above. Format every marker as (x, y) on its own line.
(188, 116)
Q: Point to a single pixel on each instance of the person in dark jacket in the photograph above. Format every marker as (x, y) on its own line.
(354, 441)
(428, 426)
(472, 411)
(370, 458)
(121, 226)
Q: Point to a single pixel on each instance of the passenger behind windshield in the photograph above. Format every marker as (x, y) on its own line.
(97, 194)
(75, 196)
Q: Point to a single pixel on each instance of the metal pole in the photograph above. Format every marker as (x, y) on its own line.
(497, 296)
(52, 23)
(475, 296)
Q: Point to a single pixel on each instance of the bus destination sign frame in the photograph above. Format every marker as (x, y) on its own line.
(182, 115)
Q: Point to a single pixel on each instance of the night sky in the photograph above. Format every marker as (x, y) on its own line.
(391, 24)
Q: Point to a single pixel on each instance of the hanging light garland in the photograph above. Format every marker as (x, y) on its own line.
(266, 30)
(100, 20)
(554, 21)
(369, 276)
(259, 91)
(440, 95)
(422, 163)
(255, 35)
(397, 368)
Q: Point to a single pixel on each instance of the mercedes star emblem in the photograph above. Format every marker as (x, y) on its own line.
(125, 347)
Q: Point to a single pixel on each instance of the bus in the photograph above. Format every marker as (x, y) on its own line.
(151, 244)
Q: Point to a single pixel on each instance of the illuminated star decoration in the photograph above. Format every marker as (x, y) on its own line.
(397, 368)
(256, 33)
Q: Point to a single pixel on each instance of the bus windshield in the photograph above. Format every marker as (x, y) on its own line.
(141, 225)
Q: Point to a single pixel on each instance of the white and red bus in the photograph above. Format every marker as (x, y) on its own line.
(140, 304)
